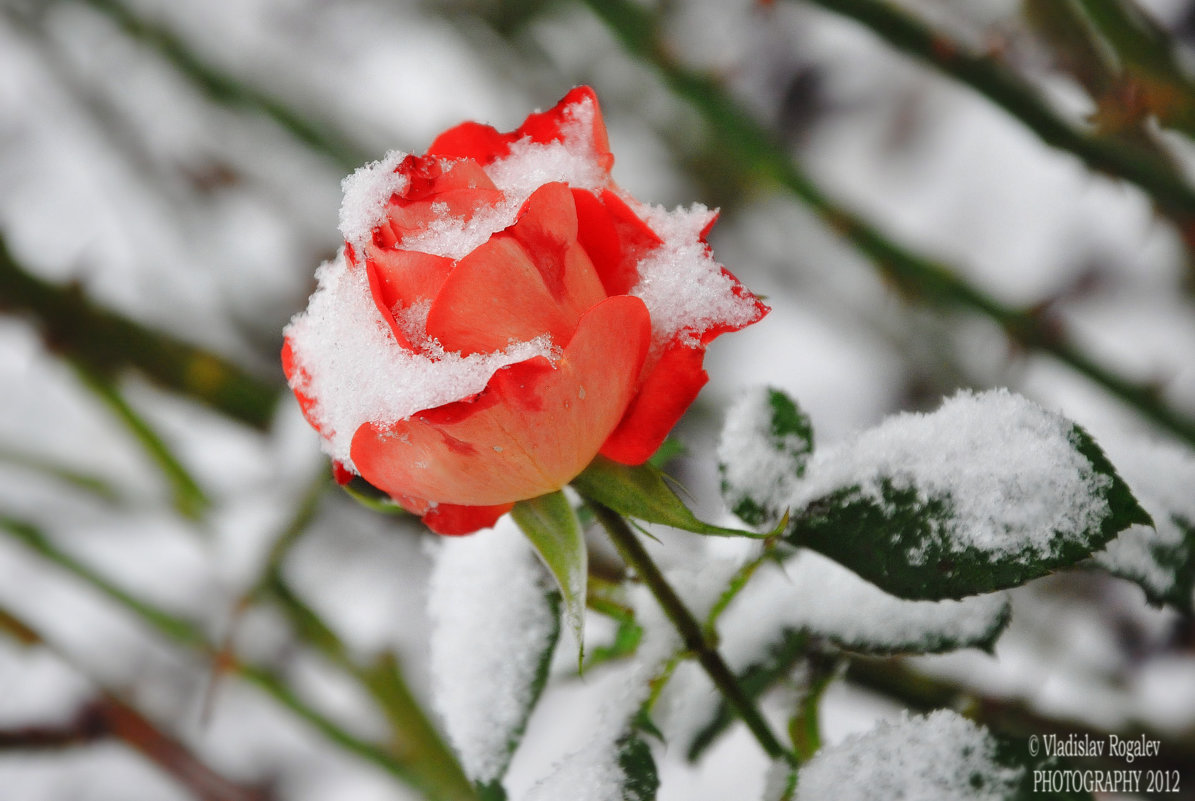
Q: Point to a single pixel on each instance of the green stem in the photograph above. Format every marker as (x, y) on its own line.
(745, 140)
(692, 634)
(105, 343)
(189, 498)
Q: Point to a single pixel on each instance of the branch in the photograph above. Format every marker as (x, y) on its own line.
(691, 631)
(756, 150)
(1119, 158)
(105, 343)
(109, 717)
(398, 763)
(228, 90)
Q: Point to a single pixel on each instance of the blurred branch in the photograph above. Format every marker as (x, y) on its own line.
(1148, 59)
(228, 90)
(189, 498)
(1117, 157)
(89, 483)
(431, 765)
(105, 343)
(401, 759)
(756, 150)
(108, 717)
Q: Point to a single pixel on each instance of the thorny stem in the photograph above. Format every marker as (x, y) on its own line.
(692, 634)
(924, 279)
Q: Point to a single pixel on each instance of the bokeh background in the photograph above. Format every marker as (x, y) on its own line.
(169, 180)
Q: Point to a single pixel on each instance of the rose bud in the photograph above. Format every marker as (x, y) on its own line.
(500, 314)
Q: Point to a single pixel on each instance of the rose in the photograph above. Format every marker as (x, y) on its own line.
(501, 313)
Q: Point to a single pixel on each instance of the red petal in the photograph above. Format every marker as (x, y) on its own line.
(614, 237)
(298, 378)
(493, 296)
(529, 280)
(667, 391)
(485, 145)
(453, 520)
(404, 277)
(532, 430)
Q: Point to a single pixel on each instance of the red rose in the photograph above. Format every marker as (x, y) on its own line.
(500, 314)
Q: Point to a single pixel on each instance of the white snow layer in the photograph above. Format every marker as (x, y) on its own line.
(812, 593)
(490, 626)
(1162, 479)
(1009, 467)
(939, 757)
(357, 373)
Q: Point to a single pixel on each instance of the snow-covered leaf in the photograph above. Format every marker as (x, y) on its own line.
(642, 493)
(550, 524)
(762, 454)
(1160, 558)
(495, 617)
(939, 757)
(987, 492)
(621, 769)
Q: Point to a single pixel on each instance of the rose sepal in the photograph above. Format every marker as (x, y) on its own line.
(642, 492)
(550, 523)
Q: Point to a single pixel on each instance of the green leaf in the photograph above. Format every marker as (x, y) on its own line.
(765, 445)
(550, 523)
(641, 782)
(641, 492)
(988, 493)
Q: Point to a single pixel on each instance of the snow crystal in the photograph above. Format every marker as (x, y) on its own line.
(812, 593)
(1009, 467)
(350, 364)
(490, 627)
(753, 461)
(939, 757)
(1161, 478)
(685, 289)
(366, 193)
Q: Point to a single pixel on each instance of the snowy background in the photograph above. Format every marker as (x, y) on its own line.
(179, 164)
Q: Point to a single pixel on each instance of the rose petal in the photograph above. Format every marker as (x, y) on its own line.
(400, 278)
(532, 430)
(529, 280)
(666, 392)
(614, 237)
(454, 520)
(484, 144)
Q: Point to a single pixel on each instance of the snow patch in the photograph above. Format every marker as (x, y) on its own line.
(490, 628)
(939, 757)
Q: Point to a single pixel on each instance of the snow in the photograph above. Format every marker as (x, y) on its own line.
(686, 291)
(354, 369)
(1009, 467)
(812, 593)
(491, 625)
(939, 757)
(366, 193)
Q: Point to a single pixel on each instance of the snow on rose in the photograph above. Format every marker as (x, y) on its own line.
(500, 314)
